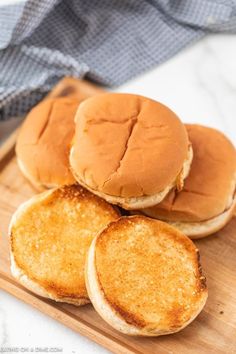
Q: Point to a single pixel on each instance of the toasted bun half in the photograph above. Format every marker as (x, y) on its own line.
(50, 236)
(207, 200)
(144, 277)
(129, 150)
(44, 141)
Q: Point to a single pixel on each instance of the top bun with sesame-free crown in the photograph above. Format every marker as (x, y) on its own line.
(43, 144)
(44, 140)
(207, 201)
(129, 150)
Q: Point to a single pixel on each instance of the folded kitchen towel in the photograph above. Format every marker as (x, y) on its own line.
(107, 41)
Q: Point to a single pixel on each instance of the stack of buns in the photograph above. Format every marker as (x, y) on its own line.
(71, 244)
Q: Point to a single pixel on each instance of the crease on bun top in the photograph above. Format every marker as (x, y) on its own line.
(128, 148)
(207, 200)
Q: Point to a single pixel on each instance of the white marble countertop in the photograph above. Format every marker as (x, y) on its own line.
(199, 84)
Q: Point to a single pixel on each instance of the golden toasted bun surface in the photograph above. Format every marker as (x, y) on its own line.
(44, 141)
(50, 236)
(149, 274)
(209, 188)
(127, 145)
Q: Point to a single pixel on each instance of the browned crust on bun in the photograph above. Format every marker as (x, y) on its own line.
(44, 142)
(209, 189)
(134, 203)
(200, 229)
(154, 283)
(50, 235)
(128, 146)
(45, 139)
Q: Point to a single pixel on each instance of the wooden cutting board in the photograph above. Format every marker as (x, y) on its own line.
(214, 330)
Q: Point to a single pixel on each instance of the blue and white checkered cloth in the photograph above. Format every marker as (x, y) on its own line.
(108, 41)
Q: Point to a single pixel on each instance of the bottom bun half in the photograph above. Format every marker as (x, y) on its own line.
(22, 277)
(49, 238)
(109, 313)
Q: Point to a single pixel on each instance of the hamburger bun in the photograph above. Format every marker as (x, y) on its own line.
(43, 144)
(144, 277)
(129, 150)
(50, 235)
(44, 141)
(207, 201)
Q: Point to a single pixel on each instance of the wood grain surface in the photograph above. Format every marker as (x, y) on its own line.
(214, 330)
